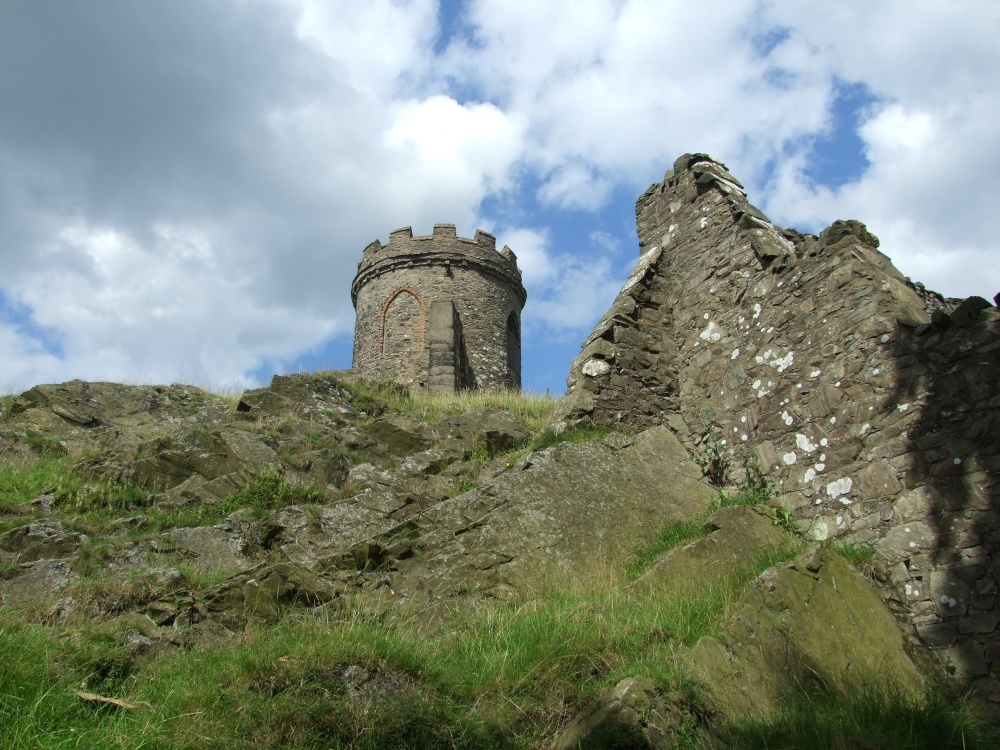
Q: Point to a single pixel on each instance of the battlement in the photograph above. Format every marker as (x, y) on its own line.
(444, 238)
(444, 249)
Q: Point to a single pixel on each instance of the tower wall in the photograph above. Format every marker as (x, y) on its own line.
(406, 332)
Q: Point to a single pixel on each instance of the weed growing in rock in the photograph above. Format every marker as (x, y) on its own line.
(267, 491)
(713, 456)
(670, 536)
(753, 488)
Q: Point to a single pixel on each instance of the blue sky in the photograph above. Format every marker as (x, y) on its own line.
(186, 187)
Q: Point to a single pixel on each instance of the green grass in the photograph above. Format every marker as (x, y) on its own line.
(869, 718)
(497, 675)
(858, 554)
(501, 675)
(536, 409)
(670, 536)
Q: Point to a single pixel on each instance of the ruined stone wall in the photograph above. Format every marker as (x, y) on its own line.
(394, 292)
(873, 405)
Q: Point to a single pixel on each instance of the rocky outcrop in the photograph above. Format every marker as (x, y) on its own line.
(812, 625)
(871, 403)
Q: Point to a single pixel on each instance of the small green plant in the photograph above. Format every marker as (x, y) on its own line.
(267, 491)
(670, 536)
(753, 487)
(855, 552)
(43, 445)
(713, 458)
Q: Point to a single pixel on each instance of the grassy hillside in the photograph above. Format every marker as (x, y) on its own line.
(87, 669)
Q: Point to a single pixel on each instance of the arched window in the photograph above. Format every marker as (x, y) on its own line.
(402, 331)
(514, 346)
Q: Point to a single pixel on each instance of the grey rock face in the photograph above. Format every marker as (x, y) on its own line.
(872, 403)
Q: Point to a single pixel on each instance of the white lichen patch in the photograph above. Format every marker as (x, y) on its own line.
(809, 475)
(735, 354)
(803, 443)
(711, 332)
(903, 407)
(815, 374)
(824, 442)
(789, 458)
(839, 487)
(595, 367)
(703, 223)
(756, 311)
(787, 418)
(784, 363)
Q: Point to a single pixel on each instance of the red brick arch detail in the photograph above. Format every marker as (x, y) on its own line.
(385, 309)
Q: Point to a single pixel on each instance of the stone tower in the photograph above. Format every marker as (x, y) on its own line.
(440, 312)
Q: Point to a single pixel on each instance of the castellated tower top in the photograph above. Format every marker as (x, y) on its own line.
(439, 312)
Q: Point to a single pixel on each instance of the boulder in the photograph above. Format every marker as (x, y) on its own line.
(736, 537)
(399, 435)
(560, 511)
(41, 540)
(33, 582)
(631, 715)
(810, 625)
(491, 430)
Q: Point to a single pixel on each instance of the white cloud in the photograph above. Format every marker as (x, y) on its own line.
(462, 149)
(198, 205)
(567, 291)
(380, 43)
(532, 247)
(934, 170)
(167, 310)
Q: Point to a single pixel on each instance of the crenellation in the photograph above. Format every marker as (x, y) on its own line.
(486, 240)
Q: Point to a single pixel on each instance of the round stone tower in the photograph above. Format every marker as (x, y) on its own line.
(440, 312)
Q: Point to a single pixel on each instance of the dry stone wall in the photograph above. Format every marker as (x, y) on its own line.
(406, 331)
(872, 403)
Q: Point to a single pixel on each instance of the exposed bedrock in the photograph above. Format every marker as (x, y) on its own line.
(871, 402)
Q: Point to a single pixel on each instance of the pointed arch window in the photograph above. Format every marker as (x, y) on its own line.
(514, 346)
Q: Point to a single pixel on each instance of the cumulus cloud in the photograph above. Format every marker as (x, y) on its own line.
(931, 148)
(185, 188)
